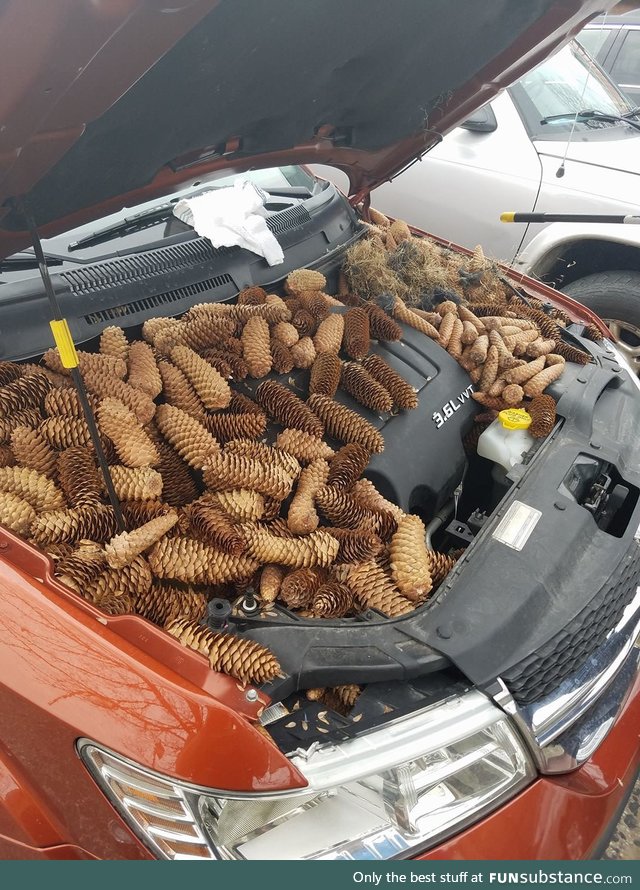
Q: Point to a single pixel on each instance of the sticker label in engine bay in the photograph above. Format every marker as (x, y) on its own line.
(515, 527)
(447, 411)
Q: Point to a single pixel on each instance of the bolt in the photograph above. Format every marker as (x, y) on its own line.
(616, 369)
(560, 506)
(595, 446)
(251, 695)
(445, 631)
(4, 545)
(581, 379)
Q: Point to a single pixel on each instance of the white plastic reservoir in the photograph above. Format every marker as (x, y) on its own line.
(506, 439)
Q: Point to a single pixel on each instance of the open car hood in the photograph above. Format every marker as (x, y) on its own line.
(109, 103)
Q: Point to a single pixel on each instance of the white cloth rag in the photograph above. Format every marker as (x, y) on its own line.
(228, 217)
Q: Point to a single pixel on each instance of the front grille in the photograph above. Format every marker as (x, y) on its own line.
(170, 296)
(539, 674)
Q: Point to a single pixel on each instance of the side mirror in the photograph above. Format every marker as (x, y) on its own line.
(481, 121)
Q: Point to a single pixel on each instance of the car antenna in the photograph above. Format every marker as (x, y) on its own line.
(69, 358)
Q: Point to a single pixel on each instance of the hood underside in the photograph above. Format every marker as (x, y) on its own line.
(110, 103)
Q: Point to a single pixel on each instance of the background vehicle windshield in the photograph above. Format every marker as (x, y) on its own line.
(568, 82)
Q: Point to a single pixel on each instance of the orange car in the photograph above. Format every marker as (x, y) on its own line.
(482, 703)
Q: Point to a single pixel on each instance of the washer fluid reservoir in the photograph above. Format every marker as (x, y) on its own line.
(506, 439)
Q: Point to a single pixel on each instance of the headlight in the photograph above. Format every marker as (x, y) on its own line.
(386, 794)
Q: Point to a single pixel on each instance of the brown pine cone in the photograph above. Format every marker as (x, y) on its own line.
(266, 454)
(356, 333)
(381, 326)
(235, 426)
(287, 409)
(285, 333)
(302, 517)
(228, 470)
(136, 513)
(166, 602)
(26, 392)
(402, 313)
(192, 561)
(355, 545)
(214, 526)
(341, 509)
(304, 323)
(241, 503)
(153, 326)
(316, 549)
(16, 513)
(303, 446)
(536, 385)
(524, 372)
(212, 389)
(344, 424)
(177, 482)
(143, 370)
(299, 586)
(127, 582)
(303, 353)
(243, 659)
(332, 600)
(123, 548)
(96, 522)
(328, 337)
(366, 494)
(270, 583)
(31, 449)
(281, 358)
(7, 457)
(445, 331)
(82, 566)
(357, 381)
(65, 402)
(410, 558)
(571, 353)
(440, 565)
(65, 432)
(226, 363)
(9, 371)
(87, 362)
(341, 699)
(113, 341)
(30, 418)
(136, 483)
(113, 604)
(301, 280)
(191, 440)
(256, 347)
(79, 477)
(31, 486)
(592, 332)
(252, 296)
(178, 392)
(107, 386)
(325, 374)
(206, 332)
(119, 424)
(315, 302)
(543, 416)
(347, 466)
(402, 393)
(374, 590)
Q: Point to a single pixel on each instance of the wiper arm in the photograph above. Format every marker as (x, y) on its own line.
(26, 260)
(592, 115)
(124, 226)
(635, 112)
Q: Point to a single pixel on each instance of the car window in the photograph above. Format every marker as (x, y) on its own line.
(626, 69)
(593, 40)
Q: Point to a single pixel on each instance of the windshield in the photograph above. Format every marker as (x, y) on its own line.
(563, 85)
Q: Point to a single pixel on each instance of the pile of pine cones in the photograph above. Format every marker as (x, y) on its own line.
(211, 509)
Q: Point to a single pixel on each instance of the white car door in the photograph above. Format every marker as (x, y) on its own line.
(460, 188)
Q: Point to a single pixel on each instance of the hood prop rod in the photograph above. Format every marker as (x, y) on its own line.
(68, 356)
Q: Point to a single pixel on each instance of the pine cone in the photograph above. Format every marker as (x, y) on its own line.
(190, 439)
(287, 409)
(328, 337)
(153, 326)
(304, 323)
(9, 371)
(402, 393)
(536, 385)
(16, 513)
(299, 586)
(178, 392)
(235, 426)
(31, 449)
(241, 503)
(356, 333)
(128, 583)
(316, 303)
(214, 526)
(252, 296)
(301, 280)
(143, 370)
(347, 466)
(208, 332)
(112, 604)
(346, 425)
(256, 347)
(177, 482)
(317, 549)
(65, 432)
(166, 602)
(96, 522)
(132, 444)
(270, 583)
(228, 470)
(65, 402)
(361, 385)
(325, 374)
(136, 483)
(366, 494)
(26, 392)
(7, 457)
(31, 486)
(79, 477)
(107, 386)
(402, 313)
(489, 369)
(341, 699)
(123, 548)
(30, 418)
(87, 362)
(332, 600)
(571, 353)
(340, 508)
(381, 326)
(194, 562)
(302, 517)
(137, 513)
(374, 590)
(82, 566)
(543, 416)
(227, 364)
(281, 357)
(355, 545)
(284, 333)
(303, 446)
(445, 330)
(266, 454)
(410, 558)
(303, 353)
(113, 341)
(243, 659)
(593, 332)
(212, 389)
(440, 565)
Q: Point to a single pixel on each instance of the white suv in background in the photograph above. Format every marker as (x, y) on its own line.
(510, 155)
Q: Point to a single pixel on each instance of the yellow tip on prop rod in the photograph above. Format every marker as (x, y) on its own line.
(64, 342)
(511, 217)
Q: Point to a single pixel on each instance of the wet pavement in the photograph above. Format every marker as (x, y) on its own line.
(625, 844)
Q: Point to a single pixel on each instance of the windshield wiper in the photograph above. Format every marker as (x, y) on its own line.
(124, 226)
(592, 115)
(24, 259)
(635, 112)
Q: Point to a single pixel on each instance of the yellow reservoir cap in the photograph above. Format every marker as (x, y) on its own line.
(515, 419)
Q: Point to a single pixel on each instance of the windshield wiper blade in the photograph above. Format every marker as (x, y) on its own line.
(591, 115)
(124, 226)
